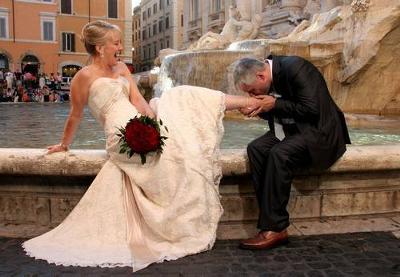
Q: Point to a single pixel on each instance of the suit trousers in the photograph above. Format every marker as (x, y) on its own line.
(272, 163)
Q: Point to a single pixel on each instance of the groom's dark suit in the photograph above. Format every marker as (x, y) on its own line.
(315, 136)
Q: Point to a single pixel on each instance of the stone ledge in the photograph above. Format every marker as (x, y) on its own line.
(39, 191)
(21, 161)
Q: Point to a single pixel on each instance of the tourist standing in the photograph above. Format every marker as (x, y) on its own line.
(9, 79)
(42, 81)
(46, 94)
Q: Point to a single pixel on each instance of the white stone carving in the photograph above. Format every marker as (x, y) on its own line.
(235, 29)
(360, 5)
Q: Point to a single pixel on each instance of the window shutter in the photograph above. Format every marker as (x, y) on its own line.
(64, 42)
(72, 42)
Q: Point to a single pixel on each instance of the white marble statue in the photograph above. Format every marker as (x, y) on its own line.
(235, 29)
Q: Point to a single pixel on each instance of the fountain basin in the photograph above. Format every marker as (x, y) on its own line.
(38, 191)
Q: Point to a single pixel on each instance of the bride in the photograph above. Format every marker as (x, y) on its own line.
(134, 214)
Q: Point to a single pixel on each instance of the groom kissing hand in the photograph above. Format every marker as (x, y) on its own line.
(306, 130)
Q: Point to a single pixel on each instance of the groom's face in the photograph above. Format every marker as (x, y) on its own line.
(259, 86)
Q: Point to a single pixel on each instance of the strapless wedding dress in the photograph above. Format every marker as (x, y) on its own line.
(134, 214)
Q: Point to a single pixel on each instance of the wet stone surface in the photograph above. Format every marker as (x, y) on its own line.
(359, 254)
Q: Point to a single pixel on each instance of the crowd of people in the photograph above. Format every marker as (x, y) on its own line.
(27, 87)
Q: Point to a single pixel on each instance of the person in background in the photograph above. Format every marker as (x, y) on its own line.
(42, 81)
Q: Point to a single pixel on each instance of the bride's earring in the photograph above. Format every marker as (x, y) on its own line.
(101, 55)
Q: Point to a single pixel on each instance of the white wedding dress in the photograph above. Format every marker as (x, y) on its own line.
(134, 214)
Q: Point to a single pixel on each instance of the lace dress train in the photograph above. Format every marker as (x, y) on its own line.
(133, 214)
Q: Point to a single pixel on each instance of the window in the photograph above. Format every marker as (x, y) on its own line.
(167, 43)
(3, 29)
(181, 20)
(48, 1)
(3, 25)
(215, 6)
(167, 22)
(154, 29)
(155, 8)
(148, 12)
(48, 29)
(112, 8)
(66, 6)
(161, 45)
(154, 49)
(144, 15)
(68, 42)
(160, 27)
(167, 2)
(194, 9)
(161, 4)
(149, 31)
(144, 34)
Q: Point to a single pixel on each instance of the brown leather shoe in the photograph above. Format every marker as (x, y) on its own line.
(265, 240)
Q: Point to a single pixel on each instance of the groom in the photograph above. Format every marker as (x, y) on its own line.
(307, 129)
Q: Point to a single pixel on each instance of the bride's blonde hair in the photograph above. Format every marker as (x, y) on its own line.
(95, 33)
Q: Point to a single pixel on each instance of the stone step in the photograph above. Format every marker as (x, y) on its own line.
(37, 191)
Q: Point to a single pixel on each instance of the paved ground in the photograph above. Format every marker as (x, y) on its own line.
(359, 254)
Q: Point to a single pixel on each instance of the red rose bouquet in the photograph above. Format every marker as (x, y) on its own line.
(141, 135)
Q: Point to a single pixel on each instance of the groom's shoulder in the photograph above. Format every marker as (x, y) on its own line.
(290, 60)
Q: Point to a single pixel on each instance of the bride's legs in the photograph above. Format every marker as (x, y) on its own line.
(234, 102)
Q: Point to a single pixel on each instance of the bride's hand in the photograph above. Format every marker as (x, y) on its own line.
(252, 105)
(151, 114)
(56, 148)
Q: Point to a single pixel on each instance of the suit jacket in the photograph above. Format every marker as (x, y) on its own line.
(306, 99)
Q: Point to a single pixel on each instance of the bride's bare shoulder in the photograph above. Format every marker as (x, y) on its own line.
(84, 77)
(83, 74)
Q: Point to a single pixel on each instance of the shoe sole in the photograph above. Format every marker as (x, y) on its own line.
(251, 247)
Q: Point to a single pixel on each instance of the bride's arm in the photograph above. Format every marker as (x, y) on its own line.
(235, 102)
(135, 97)
(79, 95)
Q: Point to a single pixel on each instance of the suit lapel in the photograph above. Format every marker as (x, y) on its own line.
(276, 73)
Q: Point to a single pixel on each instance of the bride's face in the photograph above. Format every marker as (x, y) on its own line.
(112, 48)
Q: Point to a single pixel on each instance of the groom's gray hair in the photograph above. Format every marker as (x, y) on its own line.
(245, 69)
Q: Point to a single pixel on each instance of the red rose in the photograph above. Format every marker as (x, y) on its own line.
(141, 135)
(141, 138)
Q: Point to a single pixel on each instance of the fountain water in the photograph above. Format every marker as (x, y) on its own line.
(198, 68)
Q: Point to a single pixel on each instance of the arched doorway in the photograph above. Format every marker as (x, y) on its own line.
(31, 64)
(69, 70)
(4, 63)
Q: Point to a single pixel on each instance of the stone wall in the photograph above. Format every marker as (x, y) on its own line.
(38, 191)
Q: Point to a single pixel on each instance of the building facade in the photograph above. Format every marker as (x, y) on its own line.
(280, 17)
(202, 16)
(162, 27)
(43, 36)
(136, 41)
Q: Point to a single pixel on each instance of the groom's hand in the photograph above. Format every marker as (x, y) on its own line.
(266, 104)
